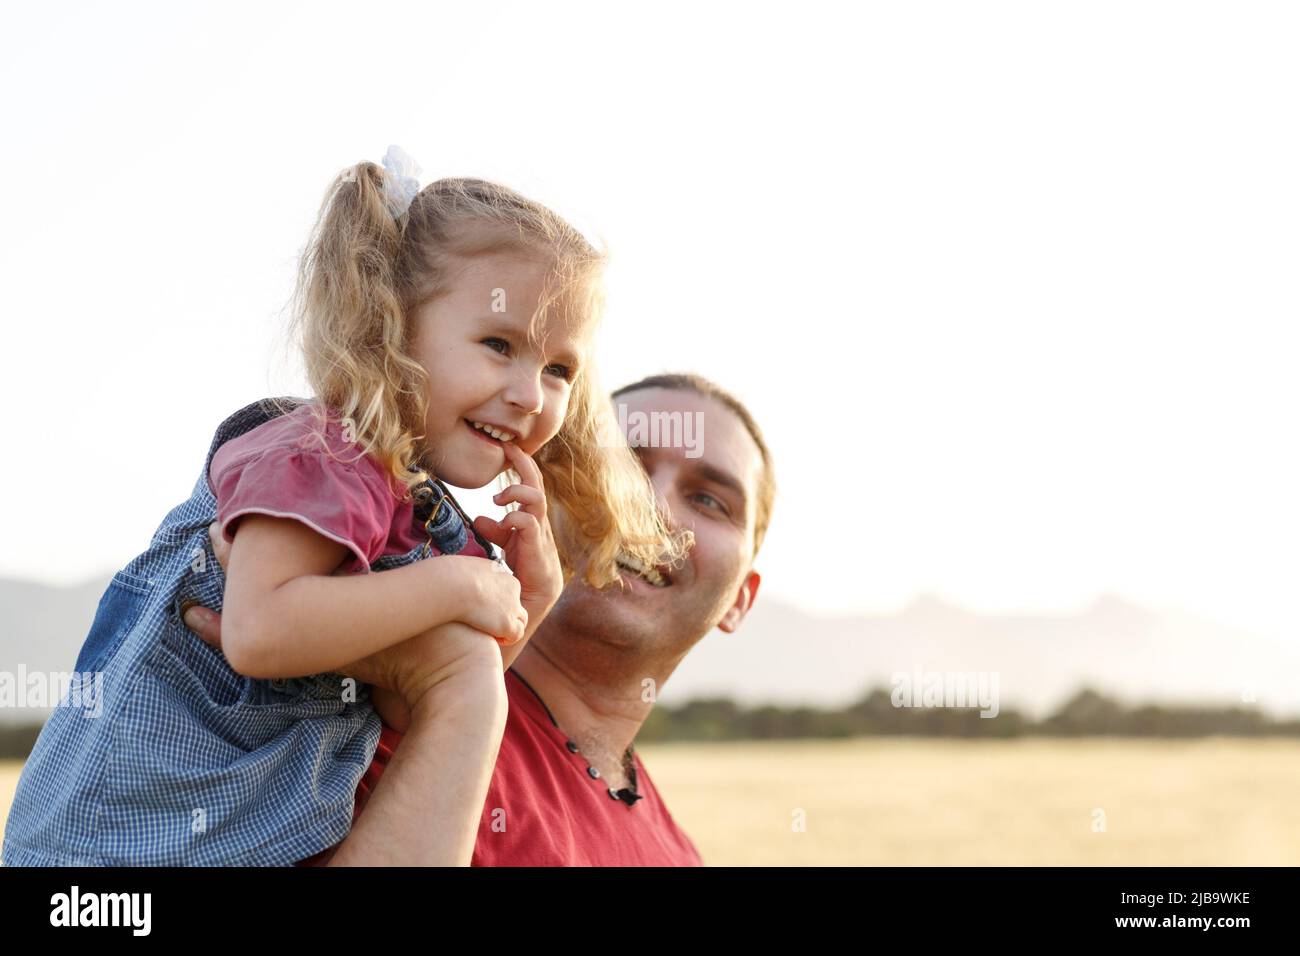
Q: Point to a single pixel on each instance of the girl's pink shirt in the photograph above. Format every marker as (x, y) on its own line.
(282, 469)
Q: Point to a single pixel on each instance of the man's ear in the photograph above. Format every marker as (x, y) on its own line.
(744, 601)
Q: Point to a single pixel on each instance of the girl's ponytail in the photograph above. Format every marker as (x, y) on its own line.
(348, 313)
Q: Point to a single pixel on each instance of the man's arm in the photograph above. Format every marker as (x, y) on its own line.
(426, 807)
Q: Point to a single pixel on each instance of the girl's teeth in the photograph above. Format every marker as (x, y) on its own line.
(494, 432)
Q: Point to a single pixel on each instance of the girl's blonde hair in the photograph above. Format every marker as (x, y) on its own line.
(361, 279)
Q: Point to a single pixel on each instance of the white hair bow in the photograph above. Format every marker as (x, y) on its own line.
(403, 180)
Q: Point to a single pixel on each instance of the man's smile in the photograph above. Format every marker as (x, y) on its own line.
(659, 577)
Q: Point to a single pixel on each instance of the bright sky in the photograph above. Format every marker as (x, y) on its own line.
(1012, 287)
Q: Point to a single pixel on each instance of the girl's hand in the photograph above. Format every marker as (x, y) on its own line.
(490, 599)
(525, 536)
(454, 657)
(451, 658)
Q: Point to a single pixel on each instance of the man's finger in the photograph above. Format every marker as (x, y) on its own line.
(205, 623)
(220, 546)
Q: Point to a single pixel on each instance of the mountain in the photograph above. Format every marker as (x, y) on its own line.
(785, 655)
(41, 630)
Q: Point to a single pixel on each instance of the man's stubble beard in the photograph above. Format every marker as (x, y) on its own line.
(607, 624)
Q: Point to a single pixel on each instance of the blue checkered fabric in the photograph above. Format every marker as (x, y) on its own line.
(190, 762)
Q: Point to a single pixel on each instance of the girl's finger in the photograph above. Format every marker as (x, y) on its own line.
(532, 500)
(507, 641)
(526, 525)
(517, 525)
(523, 465)
(492, 530)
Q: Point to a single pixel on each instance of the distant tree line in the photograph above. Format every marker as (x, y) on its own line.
(16, 740)
(1087, 714)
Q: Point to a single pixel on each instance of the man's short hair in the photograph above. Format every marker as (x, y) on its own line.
(690, 382)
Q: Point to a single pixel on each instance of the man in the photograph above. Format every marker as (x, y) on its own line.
(568, 789)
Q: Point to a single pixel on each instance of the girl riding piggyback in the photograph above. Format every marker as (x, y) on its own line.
(447, 335)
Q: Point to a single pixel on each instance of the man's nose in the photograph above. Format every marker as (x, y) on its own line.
(663, 485)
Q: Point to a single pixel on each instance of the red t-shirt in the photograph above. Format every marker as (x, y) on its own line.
(543, 806)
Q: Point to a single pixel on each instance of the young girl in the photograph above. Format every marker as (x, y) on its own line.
(446, 334)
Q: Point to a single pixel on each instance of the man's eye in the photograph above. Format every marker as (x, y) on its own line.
(713, 502)
(560, 371)
(497, 345)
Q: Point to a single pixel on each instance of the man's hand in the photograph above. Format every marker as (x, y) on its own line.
(450, 656)
(526, 537)
(205, 622)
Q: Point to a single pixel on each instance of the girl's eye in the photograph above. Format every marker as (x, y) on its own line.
(560, 371)
(497, 345)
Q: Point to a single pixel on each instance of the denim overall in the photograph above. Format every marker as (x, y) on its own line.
(188, 761)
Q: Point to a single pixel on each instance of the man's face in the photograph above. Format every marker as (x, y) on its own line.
(714, 495)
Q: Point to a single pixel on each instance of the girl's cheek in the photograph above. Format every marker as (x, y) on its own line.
(554, 422)
(552, 429)
(561, 412)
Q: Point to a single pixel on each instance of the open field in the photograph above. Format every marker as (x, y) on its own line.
(908, 801)
(900, 801)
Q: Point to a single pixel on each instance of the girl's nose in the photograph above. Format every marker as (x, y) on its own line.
(525, 392)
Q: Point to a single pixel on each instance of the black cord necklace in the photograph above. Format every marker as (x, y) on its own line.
(627, 794)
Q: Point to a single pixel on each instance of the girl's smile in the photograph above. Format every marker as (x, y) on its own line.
(495, 373)
(491, 433)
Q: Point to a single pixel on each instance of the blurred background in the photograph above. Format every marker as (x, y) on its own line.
(1009, 286)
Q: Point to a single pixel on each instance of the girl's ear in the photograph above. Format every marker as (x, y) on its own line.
(744, 601)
